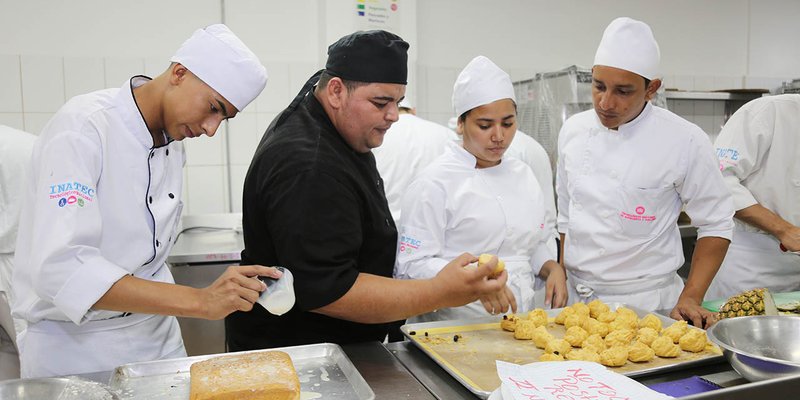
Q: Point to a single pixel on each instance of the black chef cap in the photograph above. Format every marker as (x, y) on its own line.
(369, 56)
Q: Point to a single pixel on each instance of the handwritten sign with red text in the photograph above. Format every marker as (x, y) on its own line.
(569, 380)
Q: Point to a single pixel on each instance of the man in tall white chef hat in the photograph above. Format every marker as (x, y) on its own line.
(102, 208)
(410, 145)
(624, 171)
(474, 199)
(758, 154)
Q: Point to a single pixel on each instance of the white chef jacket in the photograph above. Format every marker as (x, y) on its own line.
(101, 203)
(619, 196)
(529, 151)
(759, 155)
(453, 207)
(15, 152)
(408, 146)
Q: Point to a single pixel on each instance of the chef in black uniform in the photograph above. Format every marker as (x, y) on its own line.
(314, 203)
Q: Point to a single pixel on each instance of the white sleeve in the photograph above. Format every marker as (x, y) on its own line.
(562, 192)
(544, 174)
(741, 148)
(421, 232)
(64, 262)
(706, 199)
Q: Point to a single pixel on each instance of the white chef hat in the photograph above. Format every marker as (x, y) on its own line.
(481, 82)
(629, 44)
(216, 56)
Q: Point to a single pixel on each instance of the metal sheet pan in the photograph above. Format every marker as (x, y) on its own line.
(481, 341)
(323, 369)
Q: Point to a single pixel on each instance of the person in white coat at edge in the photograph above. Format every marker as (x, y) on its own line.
(16, 147)
(474, 199)
(101, 212)
(758, 153)
(624, 170)
(410, 145)
(528, 150)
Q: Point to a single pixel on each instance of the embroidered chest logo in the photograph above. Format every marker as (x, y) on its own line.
(71, 193)
(408, 245)
(638, 216)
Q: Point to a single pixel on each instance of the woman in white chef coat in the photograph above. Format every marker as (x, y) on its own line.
(625, 170)
(473, 199)
(758, 153)
(101, 211)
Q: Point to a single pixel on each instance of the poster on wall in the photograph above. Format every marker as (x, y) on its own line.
(377, 14)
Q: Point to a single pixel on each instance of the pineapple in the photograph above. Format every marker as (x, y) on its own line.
(751, 302)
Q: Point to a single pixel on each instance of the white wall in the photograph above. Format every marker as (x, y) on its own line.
(51, 50)
(705, 45)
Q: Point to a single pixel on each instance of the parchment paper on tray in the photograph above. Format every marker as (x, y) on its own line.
(323, 369)
(468, 349)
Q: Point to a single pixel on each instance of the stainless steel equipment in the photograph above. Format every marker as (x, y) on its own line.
(207, 245)
(323, 369)
(467, 349)
(70, 388)
(760, 347)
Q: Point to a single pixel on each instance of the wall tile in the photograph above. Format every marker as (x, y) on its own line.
(685, 83)
(34, 121)
(120, 69)
(14, 120)
(238, 173)
(154, 66)
(299, 72)
(83, 75)
(439, 81)
(704, 83)
(263, 119)
(11, 84)
(277, 94)
(42, 83)
(207, 189)
(206, 150)
(242, 138)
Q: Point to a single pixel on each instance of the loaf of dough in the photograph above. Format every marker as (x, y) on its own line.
(266, 375)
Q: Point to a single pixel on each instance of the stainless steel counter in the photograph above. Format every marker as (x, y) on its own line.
(387, 377)
(444, 386)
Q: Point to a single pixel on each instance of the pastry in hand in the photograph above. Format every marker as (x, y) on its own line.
(486, 258)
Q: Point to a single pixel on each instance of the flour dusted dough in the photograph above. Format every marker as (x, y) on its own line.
(266, 375)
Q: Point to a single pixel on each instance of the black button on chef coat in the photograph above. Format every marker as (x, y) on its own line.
(311, 205)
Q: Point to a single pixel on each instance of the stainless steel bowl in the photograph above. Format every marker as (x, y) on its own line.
(54, 388)
(760, 347)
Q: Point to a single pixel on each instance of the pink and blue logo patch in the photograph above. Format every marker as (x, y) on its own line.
(409, 245)
(69, 193)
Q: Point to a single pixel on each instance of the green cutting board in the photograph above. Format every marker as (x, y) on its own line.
(780, 298)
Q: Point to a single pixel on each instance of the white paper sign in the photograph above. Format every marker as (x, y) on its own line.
(569, 380)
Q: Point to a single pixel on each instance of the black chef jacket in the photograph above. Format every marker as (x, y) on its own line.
(317, 207)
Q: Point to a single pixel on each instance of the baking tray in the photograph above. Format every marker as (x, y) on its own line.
(323, 369)
(471, 358)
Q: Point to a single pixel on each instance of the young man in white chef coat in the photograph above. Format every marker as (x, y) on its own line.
(474, 199)
(758, 154)
(625, 170)
(101, 211)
